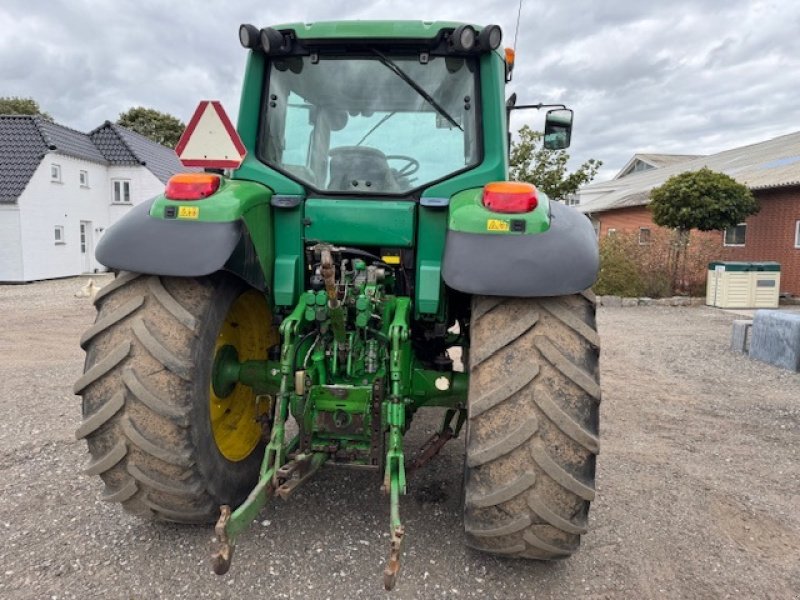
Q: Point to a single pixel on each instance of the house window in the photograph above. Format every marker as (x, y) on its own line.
(122, 191)
(611, 232)
(58, 234)
(797, 234)
(572, 200)
(644, 236)
(734, 236)
(55, 173)
(83, 176)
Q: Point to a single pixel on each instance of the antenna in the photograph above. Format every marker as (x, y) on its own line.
(516, 29)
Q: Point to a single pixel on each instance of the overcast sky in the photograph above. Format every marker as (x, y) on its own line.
(684, 77)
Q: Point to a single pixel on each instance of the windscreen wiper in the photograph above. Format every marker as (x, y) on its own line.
(391, 65)
(378, 124)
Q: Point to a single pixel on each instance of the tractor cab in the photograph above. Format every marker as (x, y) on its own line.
(392, 113)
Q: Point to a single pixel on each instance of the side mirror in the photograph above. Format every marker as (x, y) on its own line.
(557, 129)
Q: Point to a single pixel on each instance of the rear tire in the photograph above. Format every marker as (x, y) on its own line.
(532, 435)
(146, 391)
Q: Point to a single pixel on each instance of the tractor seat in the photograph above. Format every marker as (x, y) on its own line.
(361, 169)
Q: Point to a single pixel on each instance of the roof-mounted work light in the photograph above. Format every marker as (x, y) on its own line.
(490, 37)
(248, 35)
(464, 38)
(272, 41)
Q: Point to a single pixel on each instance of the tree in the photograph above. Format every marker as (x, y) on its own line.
(157, 126)
(704, 200)
(547, 169)
(11, 105)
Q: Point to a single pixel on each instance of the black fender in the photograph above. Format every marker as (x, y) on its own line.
(176, 247)
(563, 260)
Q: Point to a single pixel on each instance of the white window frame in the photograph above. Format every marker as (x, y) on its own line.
(83, 178)
(572, 200)
(725, 236)
(611, 231)
(118, 191)
(649, 236)
(55, 173)
(797, 234)
(58, 235)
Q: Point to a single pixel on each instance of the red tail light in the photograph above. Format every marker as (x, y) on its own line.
(510, 197)
(191, 186)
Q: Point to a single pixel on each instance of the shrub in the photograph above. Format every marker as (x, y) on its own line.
(619, 271)
(628, 268)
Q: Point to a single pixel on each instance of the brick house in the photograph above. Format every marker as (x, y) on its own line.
(771, 169)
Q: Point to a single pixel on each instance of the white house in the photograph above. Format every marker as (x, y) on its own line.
(60, 189)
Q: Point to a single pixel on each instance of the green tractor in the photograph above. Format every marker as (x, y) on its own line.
(366, 259)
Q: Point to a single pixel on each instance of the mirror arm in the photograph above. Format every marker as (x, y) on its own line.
(536, 106)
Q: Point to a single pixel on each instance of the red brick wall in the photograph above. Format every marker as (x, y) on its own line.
(770, 233)
(770, 236)
(625, 220)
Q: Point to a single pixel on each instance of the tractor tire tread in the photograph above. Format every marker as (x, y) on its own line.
(111, 319)
(171, 304)
(121, 494)
(108, 460)
(102, 416)
(112, 359)
(532, 434)
(136, 397)
(513, 526)
(121, 280)
(514, 439)
(181, 457)
(159, 350)
(160, 406)
(502, 337)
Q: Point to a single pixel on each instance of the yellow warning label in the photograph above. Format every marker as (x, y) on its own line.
(188, 212)
(497, 225)
(391, 259)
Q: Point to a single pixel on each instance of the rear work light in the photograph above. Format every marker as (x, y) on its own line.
(191, 186)
(510, 197)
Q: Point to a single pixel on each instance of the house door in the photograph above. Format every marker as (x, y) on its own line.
(86, 246)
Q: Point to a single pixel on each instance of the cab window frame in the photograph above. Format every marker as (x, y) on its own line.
(414, 193)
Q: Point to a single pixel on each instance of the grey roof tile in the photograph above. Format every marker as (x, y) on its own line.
(70, 142)
(109, 143)
(21, 150)
(122, 146)
(160, 160)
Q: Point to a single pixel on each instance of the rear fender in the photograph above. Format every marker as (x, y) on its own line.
(229, 230)
(563, 259)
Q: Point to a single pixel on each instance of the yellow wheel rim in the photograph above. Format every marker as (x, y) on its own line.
(235, 419)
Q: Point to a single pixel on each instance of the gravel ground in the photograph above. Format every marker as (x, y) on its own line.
(698, 486)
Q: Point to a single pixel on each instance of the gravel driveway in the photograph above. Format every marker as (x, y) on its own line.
(698, 486)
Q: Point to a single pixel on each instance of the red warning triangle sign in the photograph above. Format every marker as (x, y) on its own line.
(210, 139)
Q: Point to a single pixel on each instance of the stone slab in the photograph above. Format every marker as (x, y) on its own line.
(739, 335)
(775, 338)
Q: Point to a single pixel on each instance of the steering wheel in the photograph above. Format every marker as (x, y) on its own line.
(411, 166)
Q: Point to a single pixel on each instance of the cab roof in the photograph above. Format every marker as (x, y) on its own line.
(369, 29)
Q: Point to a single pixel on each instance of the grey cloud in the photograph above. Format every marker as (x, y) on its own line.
(685, 76)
